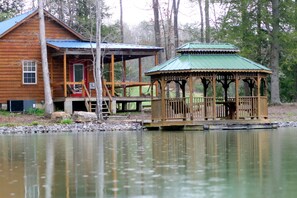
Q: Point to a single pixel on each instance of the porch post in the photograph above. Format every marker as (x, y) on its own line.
(156, 59)
(214, 96)
(64, 74)
(163, 102)
(52, 74)
(237, 95)
(140, 75)
(191, 96)
(124, 80)
(258, 95)
(112, 76)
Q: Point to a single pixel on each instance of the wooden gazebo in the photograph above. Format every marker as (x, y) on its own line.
(208, 83)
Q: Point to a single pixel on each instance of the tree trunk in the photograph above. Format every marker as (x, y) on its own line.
(275, 50)
(176, 37)
(98, 81)
(121, 21)
(157, 26)
(49, 106)
(175, 22)
(207, 24)
(202, 22)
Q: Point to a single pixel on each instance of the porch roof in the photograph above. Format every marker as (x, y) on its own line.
(208, 63)
(76, 44)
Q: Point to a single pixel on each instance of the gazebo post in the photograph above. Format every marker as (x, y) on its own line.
(214, 96)
(237, 95)
(152, 97)
(205, 86)
(163, 105)
(191, 95)
(258, 95)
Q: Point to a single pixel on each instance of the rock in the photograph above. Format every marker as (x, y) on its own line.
(82, 116)
(60, 115)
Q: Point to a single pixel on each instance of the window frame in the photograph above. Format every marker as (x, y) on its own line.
(24, 64)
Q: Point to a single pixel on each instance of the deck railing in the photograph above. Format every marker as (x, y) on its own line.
(203, 108)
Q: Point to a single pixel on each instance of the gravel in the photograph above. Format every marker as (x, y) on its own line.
(77, 127)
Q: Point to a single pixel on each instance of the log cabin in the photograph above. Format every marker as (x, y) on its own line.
(70, 58)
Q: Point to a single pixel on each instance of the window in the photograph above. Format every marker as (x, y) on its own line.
(29, 72)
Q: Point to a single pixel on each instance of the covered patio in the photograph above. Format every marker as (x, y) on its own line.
(209, 82)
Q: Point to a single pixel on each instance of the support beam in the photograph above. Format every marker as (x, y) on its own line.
(51, 74)
(124, 77)
(163, 102)
(214, 112)
(156, 59)
(64, 74)
(112, 76)
(258, 96)
(140, 75)
(237, 96)
(191, 95)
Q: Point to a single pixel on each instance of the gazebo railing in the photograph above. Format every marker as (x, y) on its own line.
(203, 109)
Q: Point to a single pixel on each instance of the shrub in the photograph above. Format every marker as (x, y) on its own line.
(34, 123)
(36, 111)
(66, 121)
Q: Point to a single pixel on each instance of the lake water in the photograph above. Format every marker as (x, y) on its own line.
(260, 163)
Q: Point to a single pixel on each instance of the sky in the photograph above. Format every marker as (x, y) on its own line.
(135, 11)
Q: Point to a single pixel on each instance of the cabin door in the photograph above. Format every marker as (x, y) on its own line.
(78, 74)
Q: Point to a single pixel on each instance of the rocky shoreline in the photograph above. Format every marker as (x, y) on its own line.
(76, 127)
(91, 127)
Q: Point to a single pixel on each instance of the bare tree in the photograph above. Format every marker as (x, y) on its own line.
(157, 25)
(202, 21)
(175, 22)
(207, 24)
(121, 21)
(49, 106)
(98, 73)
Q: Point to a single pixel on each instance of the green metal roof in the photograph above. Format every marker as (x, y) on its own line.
(207, 62)
(208, 47)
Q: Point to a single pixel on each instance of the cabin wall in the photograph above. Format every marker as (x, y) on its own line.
(20, 44)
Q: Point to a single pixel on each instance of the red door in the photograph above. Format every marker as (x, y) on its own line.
(78, 73)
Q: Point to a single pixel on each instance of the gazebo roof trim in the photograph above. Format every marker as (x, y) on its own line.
(207, 47)
(208, 62)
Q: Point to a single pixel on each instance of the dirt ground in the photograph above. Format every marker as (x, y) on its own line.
(280, 113)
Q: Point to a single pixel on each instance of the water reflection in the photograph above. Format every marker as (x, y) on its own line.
(150, 164)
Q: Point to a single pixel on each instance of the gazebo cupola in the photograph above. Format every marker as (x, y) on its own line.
(209, 82)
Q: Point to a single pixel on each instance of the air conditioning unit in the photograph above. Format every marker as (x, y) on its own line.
(20, 105)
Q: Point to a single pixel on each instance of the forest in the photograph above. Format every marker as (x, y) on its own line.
(264, 30)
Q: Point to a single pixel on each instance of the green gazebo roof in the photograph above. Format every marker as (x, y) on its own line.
(197, 57)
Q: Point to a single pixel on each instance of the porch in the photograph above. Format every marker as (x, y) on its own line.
(73, 82)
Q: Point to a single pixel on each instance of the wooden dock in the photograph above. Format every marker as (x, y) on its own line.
(211, 125)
